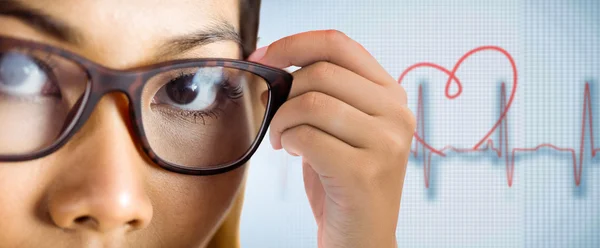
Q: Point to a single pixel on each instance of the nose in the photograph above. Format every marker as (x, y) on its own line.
(100, 184)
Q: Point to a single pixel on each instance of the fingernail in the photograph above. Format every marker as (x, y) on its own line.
(258, 54)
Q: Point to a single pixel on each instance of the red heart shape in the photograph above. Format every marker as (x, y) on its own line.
(452, 78)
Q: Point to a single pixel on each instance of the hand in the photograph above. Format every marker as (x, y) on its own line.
(347, 118)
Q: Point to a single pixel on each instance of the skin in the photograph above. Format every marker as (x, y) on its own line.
(101, 172)
(342, 102)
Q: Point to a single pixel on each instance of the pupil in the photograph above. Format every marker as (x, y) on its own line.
(183, 90)
(15, 68)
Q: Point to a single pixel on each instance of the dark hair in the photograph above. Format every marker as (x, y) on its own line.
(249, 20)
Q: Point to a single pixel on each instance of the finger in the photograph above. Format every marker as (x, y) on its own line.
(345, 85)
(326, 113)
(327, 155)
(333, 46)
(314, 190)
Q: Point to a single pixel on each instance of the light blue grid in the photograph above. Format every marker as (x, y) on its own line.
(556, 45)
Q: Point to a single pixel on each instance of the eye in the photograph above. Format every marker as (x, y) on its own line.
(22, 75)
(192, 92)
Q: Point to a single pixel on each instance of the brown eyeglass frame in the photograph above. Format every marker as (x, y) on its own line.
(131, 82)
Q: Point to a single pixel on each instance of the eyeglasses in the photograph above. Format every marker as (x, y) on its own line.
(197, 117)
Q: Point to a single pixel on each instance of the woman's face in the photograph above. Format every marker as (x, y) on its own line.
(100, 190)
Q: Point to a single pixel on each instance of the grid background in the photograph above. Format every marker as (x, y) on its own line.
(556, 45)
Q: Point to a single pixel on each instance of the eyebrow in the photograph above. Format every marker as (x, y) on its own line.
(40, 21)
(218, 30)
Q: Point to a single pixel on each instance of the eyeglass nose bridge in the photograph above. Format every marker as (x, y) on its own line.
(105, 81)
(102, 82)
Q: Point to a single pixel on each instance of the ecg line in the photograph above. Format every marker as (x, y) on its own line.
(421, 147)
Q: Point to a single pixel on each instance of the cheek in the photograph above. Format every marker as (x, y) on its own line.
(191, 207)
(22, 189)
(187, 209)
(19, 134)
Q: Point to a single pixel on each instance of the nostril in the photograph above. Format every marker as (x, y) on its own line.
(134, 223)
(87, 221)
(91, 222)
(82, 219)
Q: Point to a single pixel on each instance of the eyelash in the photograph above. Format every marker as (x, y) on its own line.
(193, 116)
(44, 60)
(48, 66)
(232, 93)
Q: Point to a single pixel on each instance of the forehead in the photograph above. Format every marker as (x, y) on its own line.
(172, 17)
(126, 33)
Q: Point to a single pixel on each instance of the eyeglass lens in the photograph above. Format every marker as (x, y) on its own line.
(198, 117)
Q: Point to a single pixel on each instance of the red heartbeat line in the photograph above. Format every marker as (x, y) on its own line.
(503, 143)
